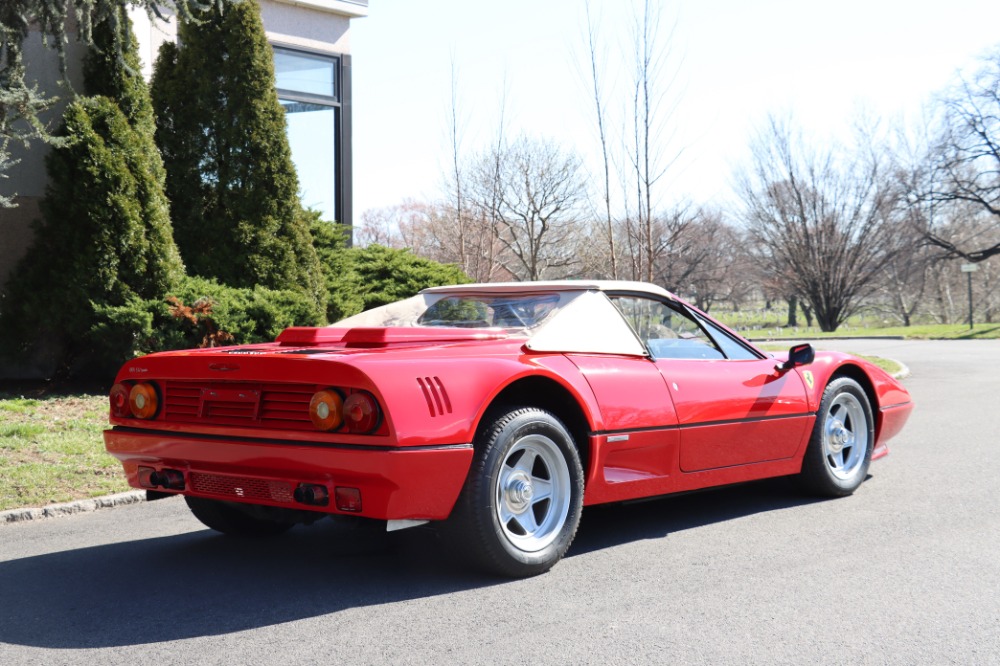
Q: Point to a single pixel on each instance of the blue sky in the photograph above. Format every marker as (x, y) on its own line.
(735, 62)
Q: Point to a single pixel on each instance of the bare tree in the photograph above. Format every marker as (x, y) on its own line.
(534, 190)
(964, 165)
(822, 220)
(429, 230)
(483, 250)
(463, 228)
(905, 277)
(677, 246)
(608, 227)
(715, 263)
(457, 176)
(652, 106)
(382, 226)
(637, 147)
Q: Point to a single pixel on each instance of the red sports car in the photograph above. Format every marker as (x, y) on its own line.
(500, 410)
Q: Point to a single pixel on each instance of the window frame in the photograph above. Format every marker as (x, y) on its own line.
(700, 320)
(709, 326)
(341, 102)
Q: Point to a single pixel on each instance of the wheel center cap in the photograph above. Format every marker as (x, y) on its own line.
(519, 492)
(838, 437)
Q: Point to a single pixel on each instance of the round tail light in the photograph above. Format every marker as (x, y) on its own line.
(361, 413)
(326, 410)
(142, 400)
(119, 402)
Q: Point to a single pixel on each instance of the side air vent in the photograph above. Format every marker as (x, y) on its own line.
(435, 394)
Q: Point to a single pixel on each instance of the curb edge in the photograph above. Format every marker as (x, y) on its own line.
(15, 516)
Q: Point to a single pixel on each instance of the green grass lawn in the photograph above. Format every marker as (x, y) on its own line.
(928, 332)
(760, 324)
(51, 450)
(918, 332)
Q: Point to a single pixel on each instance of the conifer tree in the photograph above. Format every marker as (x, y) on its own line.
(230, 177)
(21, 102)
(105, 237)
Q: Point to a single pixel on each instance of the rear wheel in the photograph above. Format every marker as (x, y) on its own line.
(235, 519)
(521, 504)
(840, 450)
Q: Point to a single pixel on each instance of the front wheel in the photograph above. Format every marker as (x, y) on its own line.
(840, 449)
(521, 504)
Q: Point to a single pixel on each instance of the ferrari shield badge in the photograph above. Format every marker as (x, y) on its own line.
(808, 376)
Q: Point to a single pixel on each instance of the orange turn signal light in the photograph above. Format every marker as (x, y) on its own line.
(143, 401)
(326, 410)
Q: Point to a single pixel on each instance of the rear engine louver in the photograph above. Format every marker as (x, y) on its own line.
(283, 406)
(435, 394)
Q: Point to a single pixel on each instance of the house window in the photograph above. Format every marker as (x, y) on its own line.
(314, 90)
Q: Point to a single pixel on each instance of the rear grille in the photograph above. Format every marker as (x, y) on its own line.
(281, 406)
(241, 487)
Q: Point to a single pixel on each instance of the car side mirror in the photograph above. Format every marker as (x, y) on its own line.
(803, 354)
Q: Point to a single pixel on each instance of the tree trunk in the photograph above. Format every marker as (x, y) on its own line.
(793, 306)
(807, 311)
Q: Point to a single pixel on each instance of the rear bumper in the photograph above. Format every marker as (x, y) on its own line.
(419, 483)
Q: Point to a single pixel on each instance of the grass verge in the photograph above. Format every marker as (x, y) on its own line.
(921, 332)
(51, 450)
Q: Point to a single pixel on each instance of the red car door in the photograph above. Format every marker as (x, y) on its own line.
(732, 407)
(733, 412)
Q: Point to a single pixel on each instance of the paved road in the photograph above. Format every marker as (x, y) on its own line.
(906, 571)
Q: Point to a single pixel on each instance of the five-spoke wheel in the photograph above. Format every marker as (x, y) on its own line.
(522, 501)
(840, 450)
(533, 493)
(845, 439)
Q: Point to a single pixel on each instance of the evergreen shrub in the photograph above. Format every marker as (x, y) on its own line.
(363, 278)
(230, 176)
(143, 326)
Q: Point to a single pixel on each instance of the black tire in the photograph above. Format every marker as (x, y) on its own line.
(840, 449)
(521, 504)
(235, 519)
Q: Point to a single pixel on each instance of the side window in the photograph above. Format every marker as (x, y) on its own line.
(732, 348)
(666, 332)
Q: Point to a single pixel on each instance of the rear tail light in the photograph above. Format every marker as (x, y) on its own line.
(119, 402)
(329, 410)
(128, 400)
(326, 410)
(361, 413)
(143, 401)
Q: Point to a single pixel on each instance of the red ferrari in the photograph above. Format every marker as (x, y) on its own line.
(500, 410)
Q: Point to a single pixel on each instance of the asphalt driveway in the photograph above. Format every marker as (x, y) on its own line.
(906, 571)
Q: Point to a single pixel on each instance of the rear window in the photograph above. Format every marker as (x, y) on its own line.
(516, 313)
(484, 312)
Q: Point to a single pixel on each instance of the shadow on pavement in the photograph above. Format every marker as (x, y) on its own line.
(203, 584)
